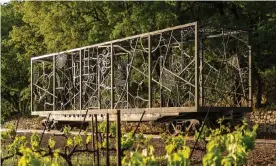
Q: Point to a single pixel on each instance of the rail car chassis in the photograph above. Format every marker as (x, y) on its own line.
(175, 75)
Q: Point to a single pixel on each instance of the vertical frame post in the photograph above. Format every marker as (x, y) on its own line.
(161, 81)
(88, 63)
(74, 76)
(112, 75)
(31, 85)
(127, 84)
(201, 74)
(99, 79)
(93, 139)
(80, 91)
(97, 140)
(250, 77)
(196, 68)
(107, 140)
(250, 98)
(149, 70)
(118, 141)
(54, 83)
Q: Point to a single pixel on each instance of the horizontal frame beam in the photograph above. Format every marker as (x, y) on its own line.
(117, 40)
(147, 110)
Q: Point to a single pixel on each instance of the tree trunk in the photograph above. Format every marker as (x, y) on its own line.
(259, 83)
(259, 90)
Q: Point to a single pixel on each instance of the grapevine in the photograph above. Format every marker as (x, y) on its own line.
(224, 147)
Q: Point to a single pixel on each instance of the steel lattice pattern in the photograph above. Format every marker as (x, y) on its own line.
(150, 70)
(225, 69)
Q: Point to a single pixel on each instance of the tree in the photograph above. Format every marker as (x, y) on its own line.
(68, 25)
(13, 79)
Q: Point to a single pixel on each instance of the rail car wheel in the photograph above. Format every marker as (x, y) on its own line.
(188, 126)
(173, 128)
(191, 126)
(59, 127)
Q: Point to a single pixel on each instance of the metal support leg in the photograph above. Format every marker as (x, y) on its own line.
(250, 77)
(93, 139)
(118, 134)
(97, 150)
(107, 140)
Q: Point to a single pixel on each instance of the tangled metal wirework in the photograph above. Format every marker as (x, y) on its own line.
(83, 78)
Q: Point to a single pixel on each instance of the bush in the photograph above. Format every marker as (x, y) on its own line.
(269, 86)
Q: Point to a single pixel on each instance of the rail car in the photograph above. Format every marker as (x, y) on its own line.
(175, 75)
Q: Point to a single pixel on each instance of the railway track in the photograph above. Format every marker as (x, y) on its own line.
(155, 136)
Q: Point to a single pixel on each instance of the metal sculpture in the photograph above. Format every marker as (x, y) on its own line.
(181, 67)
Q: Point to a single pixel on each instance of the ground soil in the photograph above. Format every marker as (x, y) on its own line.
(25, 122)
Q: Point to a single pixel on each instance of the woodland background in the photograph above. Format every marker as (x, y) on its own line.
(31, 29)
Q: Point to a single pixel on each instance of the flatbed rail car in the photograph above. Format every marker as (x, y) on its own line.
(174, 74)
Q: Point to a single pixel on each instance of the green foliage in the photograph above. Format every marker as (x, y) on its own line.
(112, 127)
(35, 139)
(177, 151)
(31, 158)
(225, 147)
(31, 153)
(51, 143)
(68, 25)
(205, 133)
(142, 154)
(75, 140)
(234, 144)
(269, 80)
(14, 72)
(7, 110)
(9, 133)
(17, 144)
(78, 140)
(88, 139)
(66, 131)
(127, 142)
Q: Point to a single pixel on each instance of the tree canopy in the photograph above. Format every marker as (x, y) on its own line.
(35, 28)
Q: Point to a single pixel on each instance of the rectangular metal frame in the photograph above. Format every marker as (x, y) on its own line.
(198, 99)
